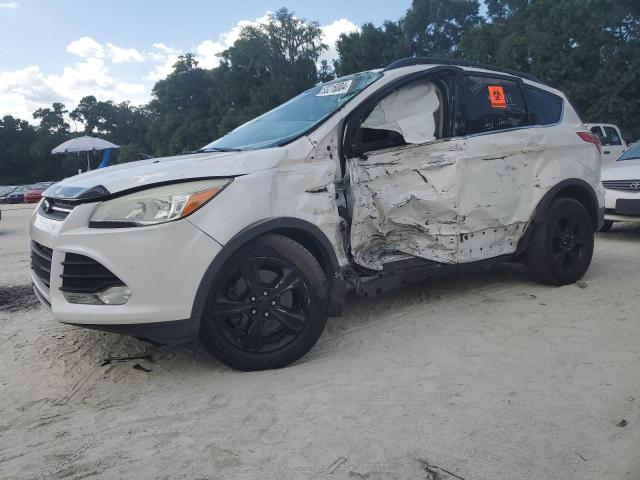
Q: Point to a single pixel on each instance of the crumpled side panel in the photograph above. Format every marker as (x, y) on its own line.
(406, 203)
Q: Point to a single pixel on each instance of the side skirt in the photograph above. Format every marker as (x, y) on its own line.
(408, 272)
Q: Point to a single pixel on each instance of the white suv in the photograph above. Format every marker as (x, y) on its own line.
(366, 183)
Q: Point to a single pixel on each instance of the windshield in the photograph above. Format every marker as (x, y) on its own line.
(632, 154)
(295, 117)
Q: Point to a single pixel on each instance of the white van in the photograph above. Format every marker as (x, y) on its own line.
(613, 145)
(366, 183)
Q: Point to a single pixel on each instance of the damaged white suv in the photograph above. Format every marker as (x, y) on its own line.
(367, 183)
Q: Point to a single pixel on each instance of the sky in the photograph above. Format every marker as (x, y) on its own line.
(59, 51)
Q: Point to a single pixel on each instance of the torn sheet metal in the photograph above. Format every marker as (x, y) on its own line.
(406, 203)
(447, 201)
(408, 111)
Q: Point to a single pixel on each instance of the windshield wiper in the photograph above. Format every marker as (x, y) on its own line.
(203, 150)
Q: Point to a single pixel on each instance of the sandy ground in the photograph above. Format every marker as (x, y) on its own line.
(482, 376)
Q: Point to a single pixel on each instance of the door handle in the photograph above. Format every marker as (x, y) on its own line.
(606, 151)
(537, 148)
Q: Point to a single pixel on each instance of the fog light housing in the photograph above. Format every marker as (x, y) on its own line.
(110, 296)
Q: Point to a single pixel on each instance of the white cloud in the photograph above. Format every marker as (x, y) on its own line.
(166, 57)
(23, 91)
(9, 6)
(124, 55)
(331, 34)
(207, 51)
(86, 47)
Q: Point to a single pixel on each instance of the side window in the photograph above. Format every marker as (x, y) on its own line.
(490, 104)
(598, 133)
(612, 136)
(412, 114)
(544, 108)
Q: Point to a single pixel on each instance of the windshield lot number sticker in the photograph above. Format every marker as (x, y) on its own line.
(496, 96)
(337, 88)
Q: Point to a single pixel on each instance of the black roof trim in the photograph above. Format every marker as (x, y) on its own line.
(410, 61)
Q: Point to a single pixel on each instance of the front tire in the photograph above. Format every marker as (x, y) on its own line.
(268, 306)
(562, 244)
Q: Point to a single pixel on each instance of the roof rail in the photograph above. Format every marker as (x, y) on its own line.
(410, 61)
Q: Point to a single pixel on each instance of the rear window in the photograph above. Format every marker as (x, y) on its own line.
(544, 108)
(491, 104)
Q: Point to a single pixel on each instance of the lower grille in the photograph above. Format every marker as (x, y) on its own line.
(41, 262)
(623, 185)
(84, 275)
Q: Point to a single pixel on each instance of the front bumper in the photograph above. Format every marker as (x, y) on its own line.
(162, 265)
(611, 199)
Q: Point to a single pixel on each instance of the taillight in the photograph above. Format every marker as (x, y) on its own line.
(591, 138)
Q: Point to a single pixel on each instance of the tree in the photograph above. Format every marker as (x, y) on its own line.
(179, 111)
(268, 65)
(325, 73)
(87, 113)
(52, 119)
(435, 27)
(590, 49)
(371, 47)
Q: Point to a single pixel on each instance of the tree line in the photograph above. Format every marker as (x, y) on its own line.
(590, 49)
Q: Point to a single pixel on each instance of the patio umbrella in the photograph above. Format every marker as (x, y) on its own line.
(83, 144)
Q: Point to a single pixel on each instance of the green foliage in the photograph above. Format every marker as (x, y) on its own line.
(371, 47)
(435, 27)
(590, 49)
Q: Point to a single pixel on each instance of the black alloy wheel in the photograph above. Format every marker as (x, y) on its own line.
(268, 306)
(562, 244)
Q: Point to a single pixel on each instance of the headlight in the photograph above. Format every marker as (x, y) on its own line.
(157, 205)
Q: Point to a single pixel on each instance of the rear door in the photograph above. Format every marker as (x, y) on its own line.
(503, 154)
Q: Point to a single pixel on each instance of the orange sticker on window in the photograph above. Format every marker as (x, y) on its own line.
(496, 96)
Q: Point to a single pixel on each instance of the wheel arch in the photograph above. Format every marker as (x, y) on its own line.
(571, 188)
(301, 231)
(575, 188)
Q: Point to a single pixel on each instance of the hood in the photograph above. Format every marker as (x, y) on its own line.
(133, 175)
(624, 170)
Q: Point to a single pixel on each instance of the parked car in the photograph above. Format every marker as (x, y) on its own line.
(17, 196)
(366, 183)
(622, 189)
(33, 194)
(613, 145)
(4, 191)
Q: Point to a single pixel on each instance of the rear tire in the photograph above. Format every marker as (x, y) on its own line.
(606, 227)
(562, 244)
(268, 306)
